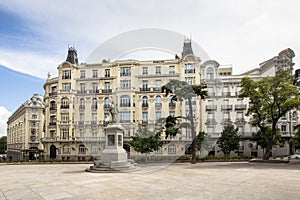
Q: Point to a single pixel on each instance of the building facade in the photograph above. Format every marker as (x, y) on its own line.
(78, 101)
(25, 128)
(223, 106)
(70, 123)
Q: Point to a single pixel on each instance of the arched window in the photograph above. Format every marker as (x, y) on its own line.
(106, 102)
(145, 101)
(65, 103)
(94, 103)
(125, 101)
(81, 103)
(210, 73)
(158, 101)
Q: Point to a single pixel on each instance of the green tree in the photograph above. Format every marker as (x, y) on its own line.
(203, 143)
(296, 138)
(145, 141)
(181, 90)
(261, 140)
(3, 144)
(229, 140)
(270, 99)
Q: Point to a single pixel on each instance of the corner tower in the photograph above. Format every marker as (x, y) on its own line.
(72, 56)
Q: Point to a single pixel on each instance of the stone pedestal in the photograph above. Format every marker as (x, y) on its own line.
(113, 157)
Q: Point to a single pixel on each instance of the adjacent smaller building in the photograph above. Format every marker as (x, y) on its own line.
(25, 128)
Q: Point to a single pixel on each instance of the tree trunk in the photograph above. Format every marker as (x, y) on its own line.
(270, 142)
(194, 142)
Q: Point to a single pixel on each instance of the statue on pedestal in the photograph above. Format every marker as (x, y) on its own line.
(114, 112)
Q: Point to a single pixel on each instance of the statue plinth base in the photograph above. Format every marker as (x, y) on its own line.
(113, 157)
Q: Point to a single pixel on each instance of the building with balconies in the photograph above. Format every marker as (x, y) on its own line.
(77, 102)
(223, 105)
(25, 129)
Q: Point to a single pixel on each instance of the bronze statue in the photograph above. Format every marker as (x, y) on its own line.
(113, 111)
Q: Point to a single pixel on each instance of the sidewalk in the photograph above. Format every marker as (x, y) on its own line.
(224, 180)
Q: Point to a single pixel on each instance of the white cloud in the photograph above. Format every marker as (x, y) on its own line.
(4, 115)
(30, 62)
(242, 33)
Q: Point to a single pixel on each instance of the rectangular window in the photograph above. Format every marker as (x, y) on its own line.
(107, 85)
(66, 74)
(283, 129)
(145, 86)
(81, 117)
(52, 133)
(171, 69)
(190, 80)
(65, 133)
(125, 84)
(145, 116)
(66, 86)
(64, 118)
(157, 115)
(158, 70)
(145, 70)
(94, 118)
(125, 116)
(95, 87)
(125, 71)
(172, 113)
(157, 85)
(107, 73)
(82, 74)
(95, 73)
(189, 68)
(82, 88)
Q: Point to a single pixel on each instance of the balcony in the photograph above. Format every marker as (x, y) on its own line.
(144, 105)
(106, 106)
(81, 107)
(226, 94)
(240, 121)
(93, 91)
(157, 105)
(124, 121)
(144, 89)
(52, 123)
(94, 107)
(125, 74)
(94, 122)
(64, 106)
(240, 107)
(125, 105)
(106, 91)
(52, 93)
(210, 107)
(156, 89)
(189, 71)
(211, 121)
(226, 107)
(81, 91)
(52, 108)
(172, 104)
(226, 121)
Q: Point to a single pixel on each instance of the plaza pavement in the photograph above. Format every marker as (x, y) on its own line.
(209, 180)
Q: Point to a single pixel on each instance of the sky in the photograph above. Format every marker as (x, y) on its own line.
(35, 35)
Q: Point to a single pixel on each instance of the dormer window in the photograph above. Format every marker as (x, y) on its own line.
(210, 73)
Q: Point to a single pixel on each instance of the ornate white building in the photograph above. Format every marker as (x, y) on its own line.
(223, 106)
